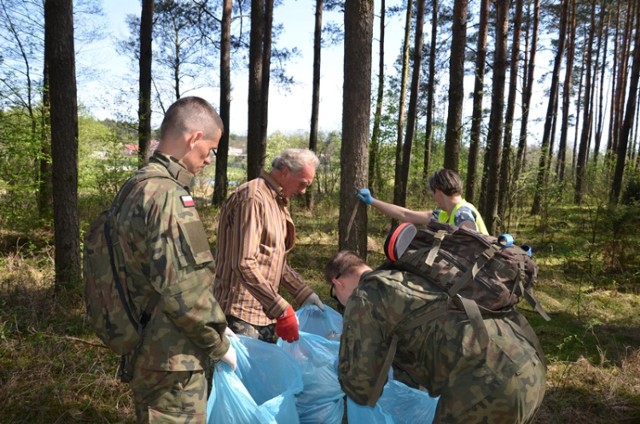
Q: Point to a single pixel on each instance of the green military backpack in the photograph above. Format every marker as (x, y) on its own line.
(484, 276)
(107, 297)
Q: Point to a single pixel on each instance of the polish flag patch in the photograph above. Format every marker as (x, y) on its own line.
(187, 201)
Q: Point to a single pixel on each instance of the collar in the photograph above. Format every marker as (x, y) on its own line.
(276, 189)
(175, 169)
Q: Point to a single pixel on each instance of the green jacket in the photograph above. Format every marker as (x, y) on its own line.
(442, 355)
(166, 251)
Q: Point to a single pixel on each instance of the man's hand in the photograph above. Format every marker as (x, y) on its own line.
(364, 195)
(313, 299)
(231, 358)
(287, 325)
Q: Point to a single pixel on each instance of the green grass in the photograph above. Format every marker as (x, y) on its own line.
(53, 370)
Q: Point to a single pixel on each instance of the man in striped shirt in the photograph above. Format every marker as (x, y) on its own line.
(255, 233)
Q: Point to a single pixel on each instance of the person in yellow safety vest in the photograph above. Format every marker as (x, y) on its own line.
(446, 187)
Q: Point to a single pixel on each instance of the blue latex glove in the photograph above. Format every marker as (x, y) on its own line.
(364, 195)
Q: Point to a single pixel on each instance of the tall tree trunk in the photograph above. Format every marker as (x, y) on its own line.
(496, 117)
(315, 91)
(614, 88)
(255, 149)
(478, 94)
(527, 91)
(356, 104)
(603, 36)
(566, 94)
(551, 110)
(398, 183)
(45, 185)
(456, 85)
(58, 24)
(266, 73)
(413, 101)
(375, 178)
(622, 75)
(222, 158)
(144, 99)
(583, 151)
(505, 169)
(428, 142)
(578, 110)
(616, 186)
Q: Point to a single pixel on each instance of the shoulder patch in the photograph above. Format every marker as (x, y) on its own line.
(187, 201)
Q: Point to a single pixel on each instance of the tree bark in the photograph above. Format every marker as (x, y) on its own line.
(375, 179)
(413, 102)
(478, 94)
(144, 99)
(505, 169)
(551, 108)
(616, 186)
(456, 85)
(255, 149)
(59, 44)
(356, 106)
(431, 82)
(222, 157)
(398, 183)
(496, 117)
(527, 91)
(583, 152)
(315, 91)
(566, 94)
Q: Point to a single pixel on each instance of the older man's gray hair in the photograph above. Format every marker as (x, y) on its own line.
(295, 159)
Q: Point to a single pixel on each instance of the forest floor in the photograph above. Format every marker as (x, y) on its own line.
(53, 370)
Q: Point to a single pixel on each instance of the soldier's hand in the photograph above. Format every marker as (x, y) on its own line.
(364, 195)
(313, 299)
(287, 325)
(231, 358)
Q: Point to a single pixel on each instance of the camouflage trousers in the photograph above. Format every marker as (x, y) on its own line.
(170, 397)
(266, 333)
(515, 402)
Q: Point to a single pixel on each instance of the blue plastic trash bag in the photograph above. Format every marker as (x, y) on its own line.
(322, 400)
(327, 324)
(399, 404)
(261, 390)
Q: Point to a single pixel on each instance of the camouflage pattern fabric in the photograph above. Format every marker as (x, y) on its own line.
(266, 333)
(166, 251)
(178, 397)
(504, 382)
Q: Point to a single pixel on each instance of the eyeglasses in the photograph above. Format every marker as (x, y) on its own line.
(215, 152)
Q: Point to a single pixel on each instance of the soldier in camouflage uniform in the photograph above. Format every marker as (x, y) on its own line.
(168, 261)
(387, 322)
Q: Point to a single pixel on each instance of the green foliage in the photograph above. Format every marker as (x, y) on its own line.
(19, 165)
(103, 161)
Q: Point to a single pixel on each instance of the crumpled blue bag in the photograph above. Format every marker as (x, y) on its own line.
(261, 390)
(327, 324)
(322, 400)
(399, 404)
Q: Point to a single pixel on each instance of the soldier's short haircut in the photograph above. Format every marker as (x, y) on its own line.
(447, 181)
(188, 114)
(342, 263)
(295, 159)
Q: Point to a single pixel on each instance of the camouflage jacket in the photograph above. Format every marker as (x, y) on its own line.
(442, 355)
(166, 251)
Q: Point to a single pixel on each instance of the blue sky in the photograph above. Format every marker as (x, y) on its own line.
(114, 95)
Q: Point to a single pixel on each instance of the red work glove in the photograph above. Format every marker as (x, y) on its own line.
(287, 325)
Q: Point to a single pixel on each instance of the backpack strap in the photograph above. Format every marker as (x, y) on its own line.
(391, 353)
(437, 241)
